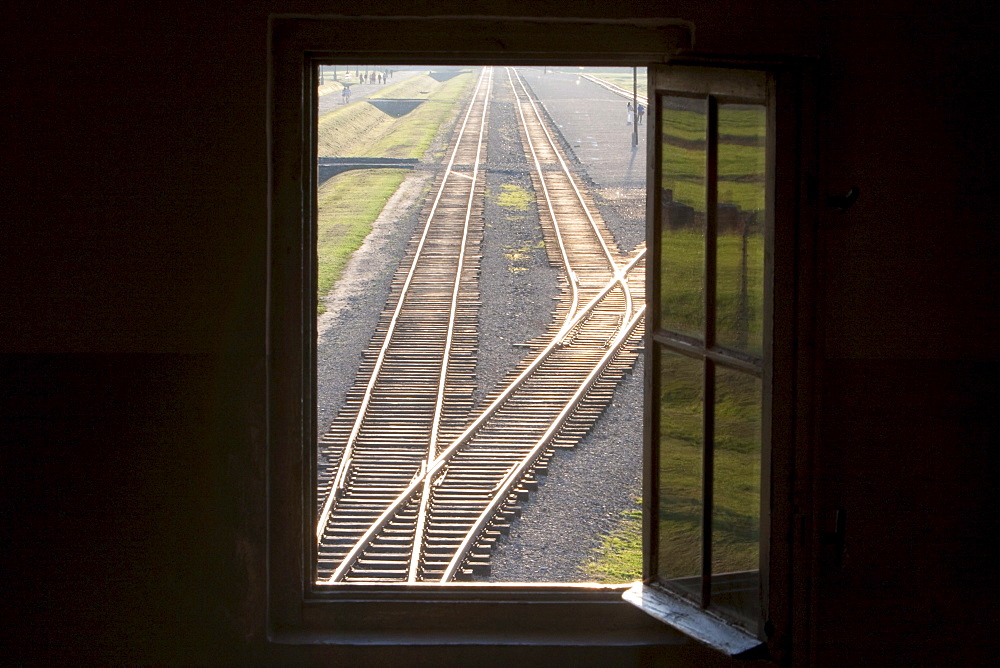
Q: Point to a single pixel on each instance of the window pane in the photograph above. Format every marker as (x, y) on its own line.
(682, 287)
(680, 512)
(736, 507)
(741, 187)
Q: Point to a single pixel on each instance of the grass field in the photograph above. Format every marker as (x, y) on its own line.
(619, 558)
(361, 129)
(350, 202)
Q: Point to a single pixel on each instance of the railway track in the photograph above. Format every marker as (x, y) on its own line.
(616, 89)
(414, 485)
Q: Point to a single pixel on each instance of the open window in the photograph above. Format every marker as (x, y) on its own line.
(720, 329)
(715, 306)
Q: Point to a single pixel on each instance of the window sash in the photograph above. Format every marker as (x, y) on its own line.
(716, 87)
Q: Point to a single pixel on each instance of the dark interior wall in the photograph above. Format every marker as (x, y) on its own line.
(133, 280)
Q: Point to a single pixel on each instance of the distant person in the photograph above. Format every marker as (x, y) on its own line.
(640, 112)
(629, 121)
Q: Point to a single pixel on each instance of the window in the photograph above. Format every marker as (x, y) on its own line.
(709, 339)
(515, 614)
(522, 211)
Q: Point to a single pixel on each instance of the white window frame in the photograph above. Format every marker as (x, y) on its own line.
(299, 611)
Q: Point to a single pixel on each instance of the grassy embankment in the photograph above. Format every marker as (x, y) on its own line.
(738, 395)
(329, 87)
(350, 202)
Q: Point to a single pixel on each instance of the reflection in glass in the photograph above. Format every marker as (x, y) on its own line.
(682, 287)
(736, 495)
(740, 219)
(680, 512)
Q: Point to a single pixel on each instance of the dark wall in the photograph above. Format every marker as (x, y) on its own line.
(133, 242)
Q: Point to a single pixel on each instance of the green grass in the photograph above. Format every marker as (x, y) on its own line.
(736, 517)
(412, 138)
(348, 205)
(744, 122)
(741, 176)
(330, 86)
(361, 129)
(350, 202)
(747, 335)
(736, 509)
(682, 280)
(513, 197)
(737, 468)
(619, 558)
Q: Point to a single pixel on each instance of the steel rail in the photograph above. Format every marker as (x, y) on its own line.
(446, 355)
(514, 476)
(571, 275)
(343, 467)
(426, 476)
(615, 88)
(566, 171)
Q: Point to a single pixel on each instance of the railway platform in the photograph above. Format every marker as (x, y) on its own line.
(593, 120)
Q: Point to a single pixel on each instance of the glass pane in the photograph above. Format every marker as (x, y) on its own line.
(682, 277)
(741, 187)
(736, 507)
(680, 512)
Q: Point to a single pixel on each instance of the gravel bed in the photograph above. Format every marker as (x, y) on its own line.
(587, 487)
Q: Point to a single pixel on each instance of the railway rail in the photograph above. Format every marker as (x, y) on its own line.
(414, 484)
(616, 89)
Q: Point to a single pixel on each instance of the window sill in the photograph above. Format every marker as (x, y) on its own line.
(695, 623)
(475, 615)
